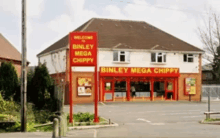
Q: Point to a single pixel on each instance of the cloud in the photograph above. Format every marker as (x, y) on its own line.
(34, 8)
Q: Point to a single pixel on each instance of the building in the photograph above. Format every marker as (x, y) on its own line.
(131, 53)
(9, 53)
(208, 76)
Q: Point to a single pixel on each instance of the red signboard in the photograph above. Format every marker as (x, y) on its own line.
(137, 71)
(83, 52)
(83, 48)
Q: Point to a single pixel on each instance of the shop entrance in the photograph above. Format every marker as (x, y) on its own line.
(108, 90)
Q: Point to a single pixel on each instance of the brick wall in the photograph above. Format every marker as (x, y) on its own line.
(198, 77)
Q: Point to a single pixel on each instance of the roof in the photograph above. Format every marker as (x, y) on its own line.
(133, 34)
(207, 67)
(8, 51)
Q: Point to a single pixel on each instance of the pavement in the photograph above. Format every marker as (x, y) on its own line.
(144, 119)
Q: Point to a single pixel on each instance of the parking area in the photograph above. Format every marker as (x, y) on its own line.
(152, 119)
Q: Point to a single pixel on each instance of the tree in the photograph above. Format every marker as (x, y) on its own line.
(8, 80)
(58, 60)
(209, 35)
(40, 90)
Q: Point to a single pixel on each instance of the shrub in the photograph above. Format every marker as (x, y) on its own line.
(82, 117)
(8, 80)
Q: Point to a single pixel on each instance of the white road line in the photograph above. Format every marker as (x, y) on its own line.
(157, 123)
(95, 133)
(102, 103)
(141, 119)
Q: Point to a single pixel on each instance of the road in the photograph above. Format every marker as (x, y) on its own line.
(143, 119)
(152, 119)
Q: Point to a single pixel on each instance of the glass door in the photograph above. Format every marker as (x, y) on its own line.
(169, 90)
(108, 90)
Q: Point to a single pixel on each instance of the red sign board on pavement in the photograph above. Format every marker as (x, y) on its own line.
(83, 52)
(83, 48)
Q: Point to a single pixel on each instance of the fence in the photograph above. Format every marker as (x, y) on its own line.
(214, 92)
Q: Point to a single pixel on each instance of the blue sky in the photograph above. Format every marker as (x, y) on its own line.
(50, 20)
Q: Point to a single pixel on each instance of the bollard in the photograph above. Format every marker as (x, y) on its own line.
(143, 98)
(60, 126)
(153, 98)
(162, 97)
(104, 98)
(134, 98)
(113, 98)
(124, 98)
(171, 97)
(55, 128)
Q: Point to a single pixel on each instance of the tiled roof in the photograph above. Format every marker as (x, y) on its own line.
(134, 34)
(7, 50)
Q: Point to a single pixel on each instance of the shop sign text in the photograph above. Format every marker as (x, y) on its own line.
(83, 48)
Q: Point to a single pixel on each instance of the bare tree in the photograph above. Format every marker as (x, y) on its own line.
(209, 35)
(59, 64)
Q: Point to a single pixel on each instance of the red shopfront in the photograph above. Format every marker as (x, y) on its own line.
(150, 83)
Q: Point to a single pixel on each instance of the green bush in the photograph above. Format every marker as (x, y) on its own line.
(43, 116)
(82, 117)
(8, 80)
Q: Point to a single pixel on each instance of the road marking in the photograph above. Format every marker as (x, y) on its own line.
(141, 119)
(95, 133)
(157, 123)
(102, 103)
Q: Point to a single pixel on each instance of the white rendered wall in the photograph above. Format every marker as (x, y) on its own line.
(58, 64)
(137, 59)
(143, 59)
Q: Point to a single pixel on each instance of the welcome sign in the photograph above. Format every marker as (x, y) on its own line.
(137, 71)
(83, 48)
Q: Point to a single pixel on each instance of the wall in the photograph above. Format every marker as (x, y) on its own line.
(57, 65)
(198, 77)
(143, 59)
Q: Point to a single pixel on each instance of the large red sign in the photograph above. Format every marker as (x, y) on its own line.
(137, 71)
(83, 48)
(83, 52)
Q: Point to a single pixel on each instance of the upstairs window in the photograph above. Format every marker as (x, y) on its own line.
(188, 57)
(158, 57)
(121, 56)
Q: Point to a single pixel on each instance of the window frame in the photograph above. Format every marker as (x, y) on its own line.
(157, 55)
(187, 58)
(126, 55)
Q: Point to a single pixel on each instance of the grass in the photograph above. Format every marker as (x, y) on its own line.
(86, 119)
(212, 119)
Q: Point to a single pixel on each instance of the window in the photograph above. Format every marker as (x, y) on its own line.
(188, 57)
(158, 57)
(121, 56)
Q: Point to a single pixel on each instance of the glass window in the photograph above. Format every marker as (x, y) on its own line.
(120, 86)
(121, 56)
(108, 86)
(159, 58)
(188, 57)
(153, 57)
(184, 57)
(115, 55)
(169, 86)
(164, 58)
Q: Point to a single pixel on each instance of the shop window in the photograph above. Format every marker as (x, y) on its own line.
(120, 89)
(188, 57)
(169, 86)
(108, 86)
(121, 56)
(158, 57)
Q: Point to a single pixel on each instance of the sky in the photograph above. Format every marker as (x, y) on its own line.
(50, 20)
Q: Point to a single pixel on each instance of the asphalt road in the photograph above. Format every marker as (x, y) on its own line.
(146, 119)
(151, 119)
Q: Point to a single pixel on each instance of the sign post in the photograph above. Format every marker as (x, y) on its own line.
(83, 52)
